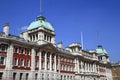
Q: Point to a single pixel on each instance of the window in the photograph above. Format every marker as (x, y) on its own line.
(22, 51)
(37, 36)
(14, 76)
(50, 38)
(45, 37)
(31, 38)
(15, 62)
(36, 75)
(36, 53)
(43, 64)
(48, 65)
(53, 66)
(3, 48)
(21, 62)
(2, 60)
(26, 76)
(28, 52)
(16, 50)
(36, 63)
(28, 63)
(1, 74)
(42, 76)
(21, 76)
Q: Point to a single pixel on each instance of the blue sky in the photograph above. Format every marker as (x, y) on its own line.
(69, 18)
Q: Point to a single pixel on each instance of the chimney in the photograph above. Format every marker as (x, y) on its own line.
(60, 45)
(6, 28)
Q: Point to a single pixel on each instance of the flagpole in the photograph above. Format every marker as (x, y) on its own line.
(40, 7)
(82, 40)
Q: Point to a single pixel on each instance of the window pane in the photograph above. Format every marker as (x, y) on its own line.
(1, 60)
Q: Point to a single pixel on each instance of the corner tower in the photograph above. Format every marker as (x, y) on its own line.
(39, 31)
(102, 54)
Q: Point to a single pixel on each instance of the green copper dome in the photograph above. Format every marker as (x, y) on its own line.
(40, 22)
(101, 50)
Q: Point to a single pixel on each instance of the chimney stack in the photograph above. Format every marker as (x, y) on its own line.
(60, 45)
(6, 28)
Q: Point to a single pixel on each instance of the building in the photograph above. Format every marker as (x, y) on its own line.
(34, 55)
(116, 70)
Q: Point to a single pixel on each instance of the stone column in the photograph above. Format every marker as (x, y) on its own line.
(55, 63)
(32, 73)
(55, 75)
(59, 67)
(40, 66)
(88, 67)
(78, 68)
(81, 66)
(75, 65)
(40, 60)
(45, 70)
(9, 59)
(94, 67)
(45, 61)
(32, 37)
(50, 62)
(85, 67)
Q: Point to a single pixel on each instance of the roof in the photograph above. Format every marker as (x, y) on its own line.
(101, 50)
(115, 63)
(40, 22)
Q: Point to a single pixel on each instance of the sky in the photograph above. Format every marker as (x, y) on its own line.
(98, 20)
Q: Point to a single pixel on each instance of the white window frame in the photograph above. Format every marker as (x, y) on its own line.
(15, 63)
(36, 63)
(2, 47)
(22, 62)
(15, 50)
(27, 63)
(4, 59)
(28, 52)
(22, 52)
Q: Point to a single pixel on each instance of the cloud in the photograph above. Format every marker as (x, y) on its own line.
(23, 28)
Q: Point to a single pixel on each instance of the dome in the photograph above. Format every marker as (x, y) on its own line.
(40, 22)
(101, 50)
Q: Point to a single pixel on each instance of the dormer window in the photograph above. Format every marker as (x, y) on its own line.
(50, 38)
(37, 36)
(45, 37)
(33, 37)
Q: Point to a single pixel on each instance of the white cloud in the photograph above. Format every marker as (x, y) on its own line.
(23, 28)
